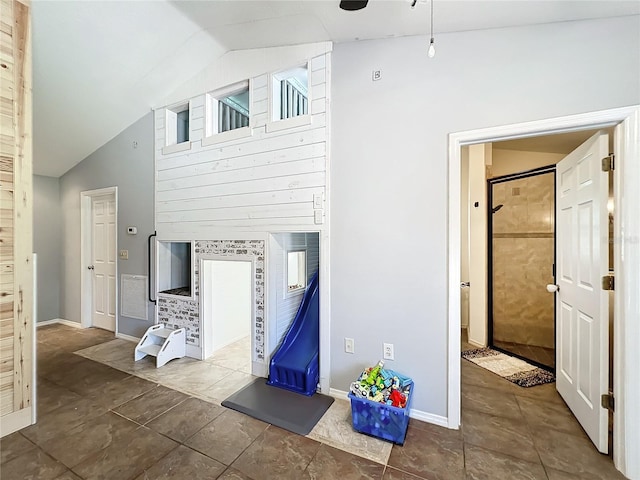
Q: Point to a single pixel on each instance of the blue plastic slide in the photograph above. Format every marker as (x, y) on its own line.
(295, 365)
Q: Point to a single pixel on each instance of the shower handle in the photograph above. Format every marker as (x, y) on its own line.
(551, 288)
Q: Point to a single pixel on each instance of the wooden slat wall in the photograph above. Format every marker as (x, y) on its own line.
(16, 281)
(262, 182)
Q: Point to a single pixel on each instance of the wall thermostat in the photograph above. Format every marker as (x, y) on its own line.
(132, 230)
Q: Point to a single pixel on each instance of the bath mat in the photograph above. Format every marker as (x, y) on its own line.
(510, 368)
(282, 408)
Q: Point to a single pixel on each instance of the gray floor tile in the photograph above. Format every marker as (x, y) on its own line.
(146, 407)
(330, 462)
(227, 436)
(279, 455)
(438, 457)
(484, 464)
(183, 463)
(185, 419)
(14, 445)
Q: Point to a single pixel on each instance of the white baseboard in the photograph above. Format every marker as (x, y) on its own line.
(12, 422)
(339, 394)
(61, 321)
(193, 352)
(417, 414)
(129, 338)
(429, 418)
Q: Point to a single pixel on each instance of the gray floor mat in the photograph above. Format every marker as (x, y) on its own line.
(291, 411)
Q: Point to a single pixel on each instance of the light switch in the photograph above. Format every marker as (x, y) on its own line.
(317, 200)
(317, 217)
(124, 254)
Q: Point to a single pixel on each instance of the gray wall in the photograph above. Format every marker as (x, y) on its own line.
(117, 163)
(389, 168)
(47, 243)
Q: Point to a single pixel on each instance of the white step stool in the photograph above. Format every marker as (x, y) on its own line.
(163, 343)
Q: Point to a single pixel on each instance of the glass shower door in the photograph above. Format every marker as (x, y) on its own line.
(521, 263)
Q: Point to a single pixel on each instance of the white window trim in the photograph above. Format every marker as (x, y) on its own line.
(288, 293)
(170, 112)
(299, 121)
(211, 137)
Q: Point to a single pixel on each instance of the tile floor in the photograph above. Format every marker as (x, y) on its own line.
(110, 418)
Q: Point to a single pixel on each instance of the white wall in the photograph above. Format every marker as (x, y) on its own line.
(389, 168)
(230, 300)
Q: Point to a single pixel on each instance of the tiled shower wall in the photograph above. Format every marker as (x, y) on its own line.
(178, 313)
(523, 255)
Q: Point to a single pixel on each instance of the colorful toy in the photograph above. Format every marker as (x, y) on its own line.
(384, 386)
(373, 374)
(398, 399)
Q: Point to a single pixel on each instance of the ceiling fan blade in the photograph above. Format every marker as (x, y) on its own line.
(353, 4)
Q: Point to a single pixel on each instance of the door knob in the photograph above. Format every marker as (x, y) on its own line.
(465, 284)
(551, 288)
(90, 267)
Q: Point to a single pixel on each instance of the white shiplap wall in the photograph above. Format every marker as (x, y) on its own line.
(262, 182)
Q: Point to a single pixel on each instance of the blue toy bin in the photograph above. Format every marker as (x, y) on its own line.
(381, 420)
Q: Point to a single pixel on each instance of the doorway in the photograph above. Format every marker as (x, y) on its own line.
(99, 253)
(521, 257)
(626, 318)
(227, 299)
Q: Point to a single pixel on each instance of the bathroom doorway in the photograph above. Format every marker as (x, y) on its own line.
(521, 259)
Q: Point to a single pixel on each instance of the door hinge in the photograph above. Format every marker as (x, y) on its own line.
(607, 401)
(608, 163)
(608, 282)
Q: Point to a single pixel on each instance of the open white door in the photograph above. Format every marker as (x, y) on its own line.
(103, 261)
(582, 307)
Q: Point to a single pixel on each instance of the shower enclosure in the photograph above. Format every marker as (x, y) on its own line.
(521, 264)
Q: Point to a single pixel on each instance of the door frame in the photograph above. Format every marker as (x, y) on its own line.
(626, 356)
(86, 287)
(206, 339)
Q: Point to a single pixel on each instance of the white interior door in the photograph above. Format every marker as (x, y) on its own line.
(582, 329)
(103, 261)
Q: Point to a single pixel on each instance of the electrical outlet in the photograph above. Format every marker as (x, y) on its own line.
(387, 351)
(348, 345)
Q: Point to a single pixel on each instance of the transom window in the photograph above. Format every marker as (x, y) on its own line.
(228, 109)
(177, 125)
(290, 93)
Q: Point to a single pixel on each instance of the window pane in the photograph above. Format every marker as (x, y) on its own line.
(183, 126)
(296, 270)
(291, 94)
(233, 111)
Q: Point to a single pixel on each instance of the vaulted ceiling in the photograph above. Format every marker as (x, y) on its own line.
(101, 65)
